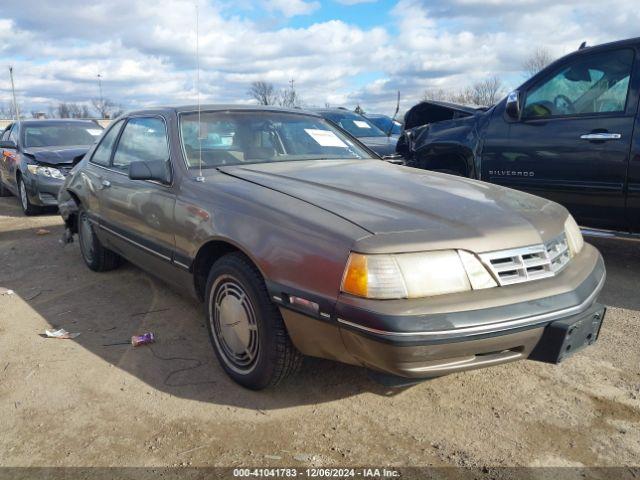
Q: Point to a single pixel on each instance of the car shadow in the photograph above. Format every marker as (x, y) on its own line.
(108, 308)
(622, 260)
(10, 207)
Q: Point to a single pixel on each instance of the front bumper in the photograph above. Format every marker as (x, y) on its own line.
(43, 191)
(430, 337)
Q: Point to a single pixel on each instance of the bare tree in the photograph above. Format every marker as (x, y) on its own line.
(63, 110)
(289, 97)
(71, 110)
(7, 111)
(487, 92)
(437, 94)
(106, 108)
(263, 92)
(535, 62)
(483, 94)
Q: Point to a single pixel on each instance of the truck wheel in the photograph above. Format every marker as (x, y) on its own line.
(97, 257)
(245, 328)
(27, 207)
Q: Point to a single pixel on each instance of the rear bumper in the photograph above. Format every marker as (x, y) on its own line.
(411, 342)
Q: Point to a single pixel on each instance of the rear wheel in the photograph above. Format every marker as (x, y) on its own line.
(27, 207)
(246, 329)
(97, 257)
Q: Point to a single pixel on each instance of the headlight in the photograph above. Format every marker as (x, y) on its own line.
(574, 236)
(414, 275)
(46, 171)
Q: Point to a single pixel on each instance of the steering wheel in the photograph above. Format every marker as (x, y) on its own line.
(563, 104)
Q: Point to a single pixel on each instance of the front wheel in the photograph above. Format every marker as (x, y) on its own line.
(246, 329)
(27, 207)
(97, 257)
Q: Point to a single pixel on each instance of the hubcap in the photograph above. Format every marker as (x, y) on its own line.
(234, 325)
(86, 238)
(23, 196)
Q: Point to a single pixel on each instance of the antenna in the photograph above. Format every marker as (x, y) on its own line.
(200, 177)
(16, 111)
(394, 115)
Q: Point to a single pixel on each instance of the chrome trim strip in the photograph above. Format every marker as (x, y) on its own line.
(135, 243)
(186, 267)
(490, 327)
(602, 233)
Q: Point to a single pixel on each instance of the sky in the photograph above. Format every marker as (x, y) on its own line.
(338, 52)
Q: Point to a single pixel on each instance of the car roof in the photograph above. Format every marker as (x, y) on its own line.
(59, 121)
(335, 110)
(617, 43)
(221, 107)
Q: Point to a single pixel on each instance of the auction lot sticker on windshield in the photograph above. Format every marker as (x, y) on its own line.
(361, 124)
(326, 138)
(94, 131)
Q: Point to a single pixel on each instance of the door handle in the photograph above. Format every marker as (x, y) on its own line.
(106, 183)
(601, 136)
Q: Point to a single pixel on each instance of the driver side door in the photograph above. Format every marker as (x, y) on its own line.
(572, 143)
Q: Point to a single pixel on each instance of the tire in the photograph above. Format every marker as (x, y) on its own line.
(255, 349)
(97, 257)
(28, 208)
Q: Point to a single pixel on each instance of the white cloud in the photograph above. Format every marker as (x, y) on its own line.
(146, 54)
(291, 8)
(355, 2)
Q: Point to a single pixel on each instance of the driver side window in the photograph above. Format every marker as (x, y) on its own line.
(590, 85)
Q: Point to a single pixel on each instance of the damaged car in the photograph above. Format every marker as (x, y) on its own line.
(299, 241)
(365, 130)
(569, 134)
(38, 154)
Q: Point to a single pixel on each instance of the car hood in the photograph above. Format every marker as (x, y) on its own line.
(412, 207)
(381, 145)
(57, 155)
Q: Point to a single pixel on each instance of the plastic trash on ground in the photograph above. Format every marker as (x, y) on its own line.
(60, 333)
(143, 339)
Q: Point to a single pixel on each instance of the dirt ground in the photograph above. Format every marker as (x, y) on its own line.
(82, 403)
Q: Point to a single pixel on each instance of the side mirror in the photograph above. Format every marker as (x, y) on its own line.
(512, 108)
(8, 144)
(156, 171)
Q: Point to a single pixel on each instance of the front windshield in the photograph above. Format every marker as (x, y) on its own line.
(234, 138)
(61, 135)
(355, 124)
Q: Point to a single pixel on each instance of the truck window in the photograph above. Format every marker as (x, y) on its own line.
(589, 85)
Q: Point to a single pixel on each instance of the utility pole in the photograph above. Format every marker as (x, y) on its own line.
(13, 92)
(100, 89)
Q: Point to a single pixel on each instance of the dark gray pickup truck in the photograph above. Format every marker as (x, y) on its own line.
(570, 134)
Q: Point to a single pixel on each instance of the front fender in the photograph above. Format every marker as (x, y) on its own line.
(443, 145)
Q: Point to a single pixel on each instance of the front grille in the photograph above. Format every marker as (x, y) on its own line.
(528, 263)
